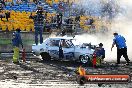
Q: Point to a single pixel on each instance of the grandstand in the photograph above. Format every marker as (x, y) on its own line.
(19, 17)
(20, 12)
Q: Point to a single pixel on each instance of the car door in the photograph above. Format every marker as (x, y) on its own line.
(53, 48)
(68, 49)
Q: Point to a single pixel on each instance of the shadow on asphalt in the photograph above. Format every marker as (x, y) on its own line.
(27, 67)
(73, 64)
(62, 63)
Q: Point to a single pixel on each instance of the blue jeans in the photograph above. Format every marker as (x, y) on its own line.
(38, 30)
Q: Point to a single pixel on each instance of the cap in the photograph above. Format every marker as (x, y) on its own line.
(115, 33)
(100, 44)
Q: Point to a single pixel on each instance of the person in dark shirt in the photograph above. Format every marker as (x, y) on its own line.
(2, 2)
(100, 54)
(120, 43)
(7, 15)
(77, 19)
(39, 20)
(100, 51)
(59, 20)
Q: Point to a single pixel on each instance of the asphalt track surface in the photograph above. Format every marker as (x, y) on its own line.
(36, 73)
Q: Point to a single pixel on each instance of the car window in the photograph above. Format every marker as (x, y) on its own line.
(89, 45)
(69, 43)
(54, 42)
(63, 43)
(66, 43)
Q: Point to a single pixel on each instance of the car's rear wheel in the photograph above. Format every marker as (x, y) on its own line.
(84, 59)
(45, 56)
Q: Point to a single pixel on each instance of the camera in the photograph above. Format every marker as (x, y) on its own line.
(39, 10)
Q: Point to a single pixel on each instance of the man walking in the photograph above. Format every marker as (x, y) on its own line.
(16, 41)
(120, 43)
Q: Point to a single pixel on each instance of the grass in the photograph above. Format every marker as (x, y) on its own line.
(9, 41)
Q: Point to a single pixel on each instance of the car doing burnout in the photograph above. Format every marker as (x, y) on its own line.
(50, 48)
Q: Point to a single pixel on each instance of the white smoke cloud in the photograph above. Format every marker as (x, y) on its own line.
(124, 24)
(121, 24)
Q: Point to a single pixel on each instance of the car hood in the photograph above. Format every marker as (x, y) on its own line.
(84, 50)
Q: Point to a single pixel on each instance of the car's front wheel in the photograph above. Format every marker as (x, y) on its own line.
(84, 59)
(45, 56)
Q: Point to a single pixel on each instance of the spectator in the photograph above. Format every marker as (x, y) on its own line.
(2, 15)
(59, 20)
(7, 15)
(3, 2)
(18, 1)
(48, 26)
(35, 1)
(1, 7)
(89, 21)
(46, 14)
(39, 20)
(77, 19)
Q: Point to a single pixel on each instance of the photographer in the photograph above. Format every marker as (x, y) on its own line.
(38, 24)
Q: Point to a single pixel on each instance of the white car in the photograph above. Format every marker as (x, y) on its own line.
(52, 47)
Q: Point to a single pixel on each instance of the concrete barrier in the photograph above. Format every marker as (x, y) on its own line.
(25, 36)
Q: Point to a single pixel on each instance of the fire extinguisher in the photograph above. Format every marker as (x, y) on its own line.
(94, 60)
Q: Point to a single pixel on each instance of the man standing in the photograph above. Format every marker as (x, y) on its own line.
(120, 43)
(7, 15)
(100, 51)
(59, 20)
(38, 24)
(100, 54)
(16, 41)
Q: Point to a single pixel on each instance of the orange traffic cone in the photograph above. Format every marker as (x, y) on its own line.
(23, 55)
(94, 60)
